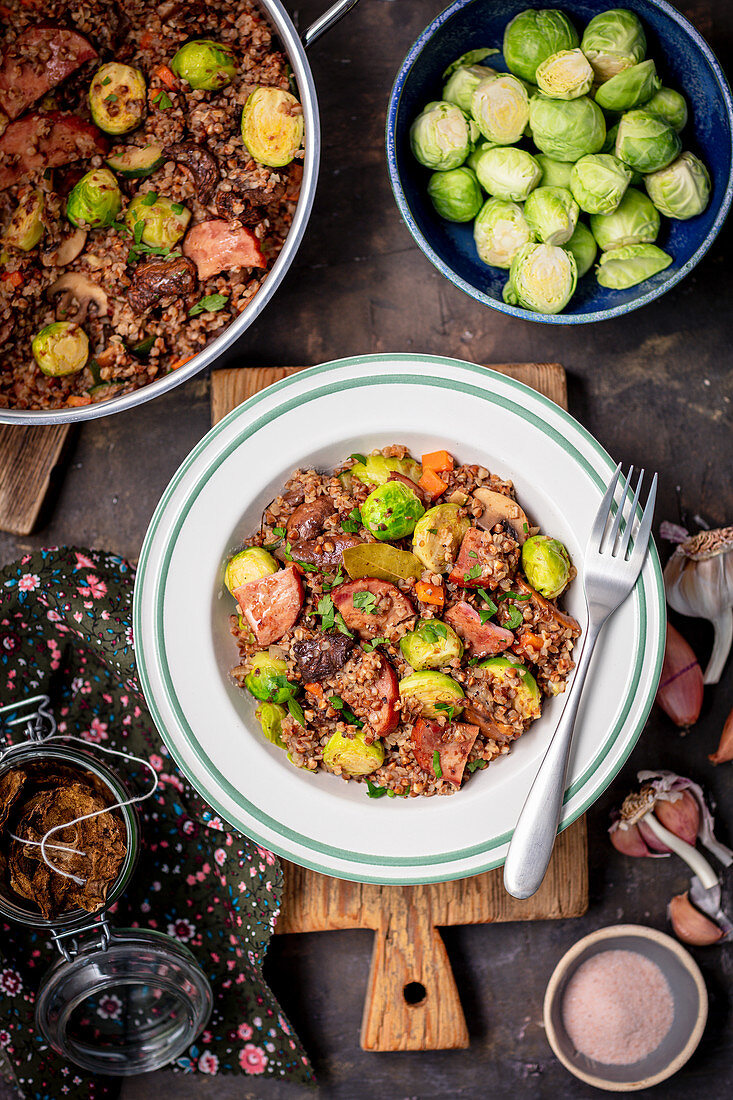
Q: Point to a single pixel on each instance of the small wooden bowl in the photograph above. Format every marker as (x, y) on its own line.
(690, 1008)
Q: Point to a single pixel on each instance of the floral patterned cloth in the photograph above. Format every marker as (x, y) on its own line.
(65, 630)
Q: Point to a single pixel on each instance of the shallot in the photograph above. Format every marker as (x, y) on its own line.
(681, 685)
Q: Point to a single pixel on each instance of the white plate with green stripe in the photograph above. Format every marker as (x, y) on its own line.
(184, 649)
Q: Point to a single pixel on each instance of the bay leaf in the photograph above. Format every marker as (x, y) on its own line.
(380, 560)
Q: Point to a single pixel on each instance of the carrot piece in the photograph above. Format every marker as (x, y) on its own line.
(179, 362)
(146, 40)
(314, 689)
(167, 76)
(437, 460)
(430, 593)
(77, 401)
(15, 278)
(432, 484)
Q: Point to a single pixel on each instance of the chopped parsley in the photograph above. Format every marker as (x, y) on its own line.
(490, 609)
(306, 566)
(210, 303)
(472, 574)
(448, 709)
(296, 711)
(148, 199)
(514, 618)
(358, 458)
(369, 646)
(107, 80)
(434, 631)
(437, 770)
(111, 98)
(177, 207)
(472, 554)
(162, 100)
(375, 791)
(525, 528)
(342, 625)
(365, 601)
(348, 715)
(520, 596)
(279, 531)
(353, 523)
(327, 610)
(477, 765)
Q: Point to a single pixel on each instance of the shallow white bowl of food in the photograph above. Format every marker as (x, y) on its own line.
(181, 616)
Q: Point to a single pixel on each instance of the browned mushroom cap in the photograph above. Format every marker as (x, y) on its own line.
(155, 281)
(65, 250)
(499, 508)
(202, 165)
(76, 288)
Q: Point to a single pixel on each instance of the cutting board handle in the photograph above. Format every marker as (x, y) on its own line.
(412, 1000)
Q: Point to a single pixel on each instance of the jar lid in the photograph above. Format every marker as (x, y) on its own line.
(128, 1004)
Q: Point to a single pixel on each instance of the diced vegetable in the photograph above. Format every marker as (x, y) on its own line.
(117, 98)
(268, 679)
(136, 162)
(432, 644)
(435, 691)
(440, 461)
(272, 126)
(430, 593)
(248, 565)
(353, 755)
(432, 484)
(438, 535)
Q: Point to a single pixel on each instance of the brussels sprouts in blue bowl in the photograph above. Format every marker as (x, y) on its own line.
(684, 62)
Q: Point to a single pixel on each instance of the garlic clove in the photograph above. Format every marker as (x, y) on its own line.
(680, 815)
(629, 841)
(690, 925)
(655, 845)
(724, 751)
(680, 689)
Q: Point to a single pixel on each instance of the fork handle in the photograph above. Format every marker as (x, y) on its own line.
(534, 836)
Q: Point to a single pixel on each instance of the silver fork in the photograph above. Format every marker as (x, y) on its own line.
(612, 566)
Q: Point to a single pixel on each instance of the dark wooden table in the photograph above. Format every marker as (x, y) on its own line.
(654, 388)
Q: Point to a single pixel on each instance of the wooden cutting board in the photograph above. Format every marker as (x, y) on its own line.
(29, 457)
(412, 1000)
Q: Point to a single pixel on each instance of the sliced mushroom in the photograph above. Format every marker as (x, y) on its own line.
(202, 165)
(66, 250)
(499, 508)
(74, 287)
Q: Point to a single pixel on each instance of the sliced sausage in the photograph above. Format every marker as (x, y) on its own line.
(39, 59)
(157, 281)
(39, 141)
(453, 743)
(483, 562)
(202, 165)
(481, 639)
(322, 656)
(324, 552)
(372, 618)
(216, 246)
(271, 605)
(375, 700)
(308, 519)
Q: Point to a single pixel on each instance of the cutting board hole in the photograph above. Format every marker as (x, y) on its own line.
(414, 993)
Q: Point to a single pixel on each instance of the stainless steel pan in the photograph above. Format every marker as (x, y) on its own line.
(294, 46)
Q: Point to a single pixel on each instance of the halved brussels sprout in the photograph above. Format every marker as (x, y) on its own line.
(500, 106)
(164, 222)
(631, 265)
(507, 671)
(646, 142)
(438, 536)
(268, 679)
(391, 511)
(455, 194)
(133, 162)
(248, 565)
(60, 348)
(499, 232)
(25, 227)
(565, 75)
(533, 36)
(583, 246)
(462, 82)
(435, 691)
(432, 644)
(270, 716)
(634, 221)
(552, 214)
(547, 565)
(630, 88)
(542, 278)
(614, 40)
(205, 64)
(682, 189)
(599, 182)
(377, 469)
(566, 129)
(670, 105)
(440, 137)
(352, 754)
(555, 173)
(117, 98)
(272, 126)
(95, 201)
(508, 173)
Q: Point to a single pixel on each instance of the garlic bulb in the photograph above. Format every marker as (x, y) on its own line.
(699, 582)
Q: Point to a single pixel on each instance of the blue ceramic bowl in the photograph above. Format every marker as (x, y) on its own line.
(685, 61)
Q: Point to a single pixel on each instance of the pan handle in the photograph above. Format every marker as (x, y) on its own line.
(326, 21)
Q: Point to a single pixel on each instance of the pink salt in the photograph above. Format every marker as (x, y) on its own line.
(617, 1007)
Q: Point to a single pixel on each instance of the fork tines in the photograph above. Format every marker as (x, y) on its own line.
(617, 543)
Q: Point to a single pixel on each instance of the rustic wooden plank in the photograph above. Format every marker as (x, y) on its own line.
(28, 457)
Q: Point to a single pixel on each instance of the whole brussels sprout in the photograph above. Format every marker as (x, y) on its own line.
(117, 98)
(272, 126)
(268, 679)
(499, 231)
(609, 145)
(60, 349)
(547, 565)
(542, 278)
(532, 36)
(599, 182)
(352, 754)
(614, 40)
(682, 189)
(646, 142)
(508, 672)
(508, 173)
(205, 64)
(566, 129)
(432, 644)
(669, 105)
(634, 221)
(248, 565)
(565, 75)
(629, 88)
(438, 535)
(95, 201)
(455, 194)
(555, 173)
(435, 691)
(475, 156)
(391, 511)
(583, 246)
(462, 83)
(551, 214)
(441, 137)
(270, 717)
(500, 107)
(164, 222)
(633, 264)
